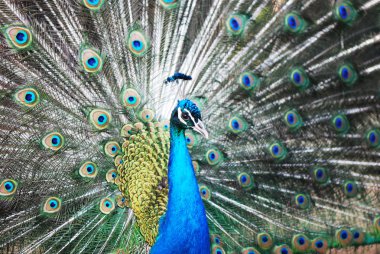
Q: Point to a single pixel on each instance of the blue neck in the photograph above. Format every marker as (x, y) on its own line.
(183, 228)
(183, 186)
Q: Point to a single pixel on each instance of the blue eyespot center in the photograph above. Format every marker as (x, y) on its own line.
(93, 2)
(292, 22)
(219, 252)
(284, 251)
(137, 44)
(234, 24)
(291, 118)
(275, 149)
(301, 241)
(53, 203)
(319, 244)
(243, 179)
(345, 73)
(204, 192)
(264, 239)
(114, 149)
(343, 12)
(21, 37)
(132, 99)
(29, 97)
(349, 187)
(188, 140)
(217, 241)
(113, 175)
(212, 156)
(102, 119)
(246, 80)
(338, 122)
(297, 77)
(235, 124)
(301, 200)
(372, 137)
(344, 234)
(90, 169)
(55, 140)
(356, 235)
(107, 204)
(9, 186)
(92, 62)
(319, 173)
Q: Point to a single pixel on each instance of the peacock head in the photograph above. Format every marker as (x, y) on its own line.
(188, 116)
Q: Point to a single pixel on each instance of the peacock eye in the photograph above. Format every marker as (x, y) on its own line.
(185, 116)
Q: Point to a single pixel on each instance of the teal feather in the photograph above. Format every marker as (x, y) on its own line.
(289, 93)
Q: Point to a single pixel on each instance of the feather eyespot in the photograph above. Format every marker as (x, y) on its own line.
(18, 37)
(320, 175)
(191, 139)
(205, 192)
(249, 81)
(282, 249)
(264, 240)
(165, 125)
(138, 43)
(345, 12)
(111, 175)
(340, 123)
(88, 170)
(245, 181)
(118, 160)
(111, 148)
(293, 119)
(237, 125)
(8, 187)
(343, 236)
(373, 138)
(53, 141)
(27, 97)
(107, 205)
(319, 245)
(358, 236)
(277, 150)
(249, 250)
(217, 249)
(91, 60)
(52, 205)
(100, 119)
(299, 78)
(93, 4)
(130, 98)
(302, 201)
(235, 24)
(300, 243)
(216, 240)
(127, 130)
(350, 188)
(214, 157)
(294, 23)
(347, 74)
(169, 4)
(146, 115)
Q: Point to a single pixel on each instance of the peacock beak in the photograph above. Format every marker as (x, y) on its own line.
(200, 128)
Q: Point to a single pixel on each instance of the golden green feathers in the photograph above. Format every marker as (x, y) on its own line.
(142, 175)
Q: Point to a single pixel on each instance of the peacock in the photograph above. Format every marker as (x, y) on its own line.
(188, 126)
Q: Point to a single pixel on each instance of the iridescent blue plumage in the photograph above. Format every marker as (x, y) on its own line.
(183, 229)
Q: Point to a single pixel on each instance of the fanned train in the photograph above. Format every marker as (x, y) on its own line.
(189, 126)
